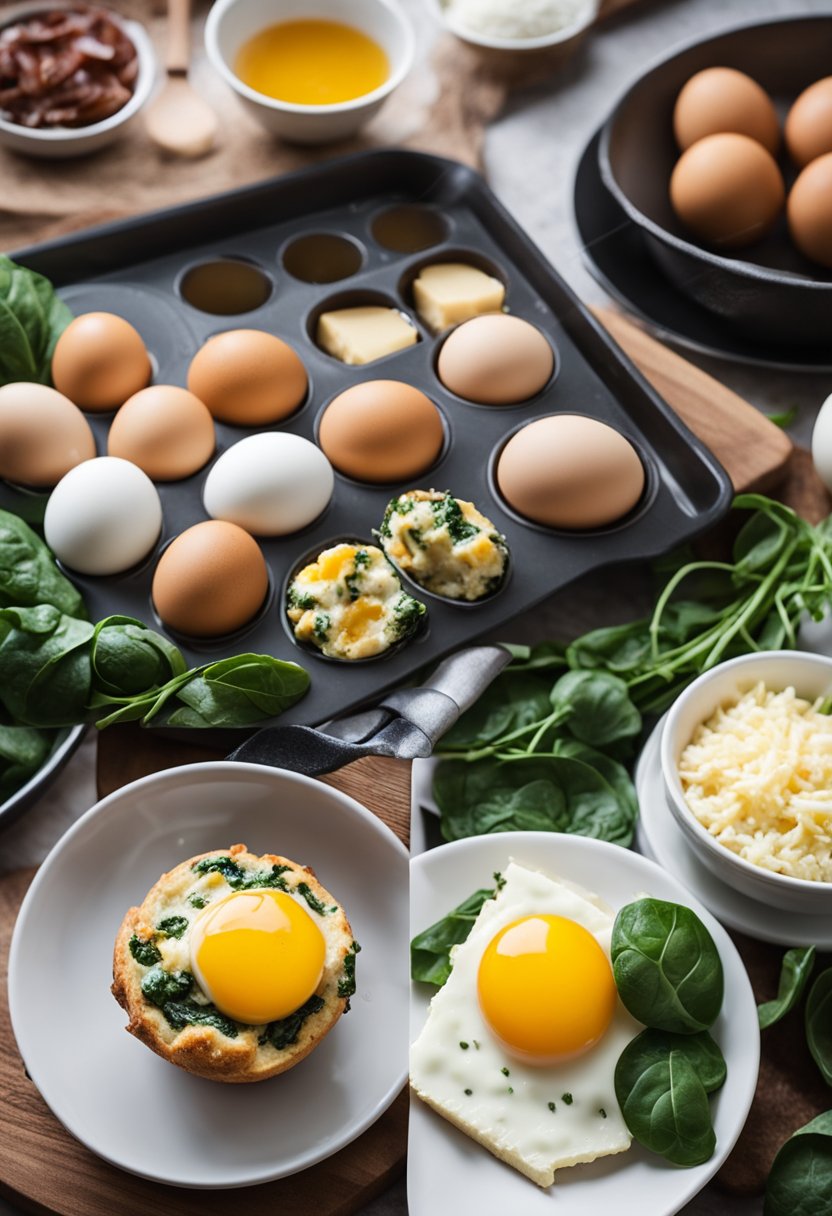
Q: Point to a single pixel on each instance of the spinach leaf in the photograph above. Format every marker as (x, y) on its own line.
(800, 1181)
(243, 880)
(665, 1106)
(239, 691)
(346, 984)
(144, 952)
(172, 926)
(44, 665)
(160, 986)
(283, 1033)
(430, 950)
(667, 969)
(182, 1013)
(23, 750)
(32, 318)
(794, 973)
(549, 793)
(28, 574)
(512, 701)
(819, 1023)
(653, 1046)
(597, 706)
(317, 905)
(542, 657)
(128, 658)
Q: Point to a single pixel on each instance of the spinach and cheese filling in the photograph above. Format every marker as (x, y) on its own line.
(350, 603)
(250, 949)
(445, 544)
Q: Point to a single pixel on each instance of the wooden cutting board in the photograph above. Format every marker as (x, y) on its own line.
(45, 1170)
(756, 454)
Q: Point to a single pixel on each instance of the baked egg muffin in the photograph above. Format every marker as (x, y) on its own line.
(235, 967)
(445, 544)
(349, 603)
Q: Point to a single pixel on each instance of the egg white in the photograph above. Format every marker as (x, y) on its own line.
(510, 1115)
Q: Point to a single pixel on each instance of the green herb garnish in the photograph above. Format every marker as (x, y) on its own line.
(283, 1033)
(172, 926)
(144, 952)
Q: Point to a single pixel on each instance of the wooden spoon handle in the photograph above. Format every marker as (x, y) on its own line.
(178, 54)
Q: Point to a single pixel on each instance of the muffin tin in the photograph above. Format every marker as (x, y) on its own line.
(390, 213)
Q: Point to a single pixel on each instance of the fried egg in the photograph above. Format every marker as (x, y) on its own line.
(257, 954)
(520, 1045)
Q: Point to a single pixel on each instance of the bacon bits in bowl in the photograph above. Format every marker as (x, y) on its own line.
(746, 758)
(71, 76)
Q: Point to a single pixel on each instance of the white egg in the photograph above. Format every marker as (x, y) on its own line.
(270, 484)
(538, 1116)
(822, 443)
(103, 516)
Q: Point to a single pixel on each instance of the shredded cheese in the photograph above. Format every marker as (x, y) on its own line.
(758, 776)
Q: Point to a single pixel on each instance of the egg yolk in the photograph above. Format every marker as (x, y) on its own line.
(546, 988)
(257, 954)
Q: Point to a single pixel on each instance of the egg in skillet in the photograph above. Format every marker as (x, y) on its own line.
(520, 1045)
(235, 967)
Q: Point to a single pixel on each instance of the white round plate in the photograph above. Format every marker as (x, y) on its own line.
(447, 1171)
(125, 1103)
(660, 837)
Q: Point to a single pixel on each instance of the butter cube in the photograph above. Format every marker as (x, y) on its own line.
(450, 292)
(362, 335)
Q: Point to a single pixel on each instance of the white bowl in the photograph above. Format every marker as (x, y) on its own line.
(232, 22)
(58, 143)
(442, 10)
(811, 676)
(119, 1099)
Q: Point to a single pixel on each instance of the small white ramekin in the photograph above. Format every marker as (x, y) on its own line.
(811, 676)
(232, 22)
(59, 143)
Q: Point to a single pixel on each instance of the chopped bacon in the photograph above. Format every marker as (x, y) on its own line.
(65, 68)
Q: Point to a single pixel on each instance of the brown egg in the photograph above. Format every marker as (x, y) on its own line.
(100, 360)
(810, 211)
(248, 377)
(495, 360)
(723, 99)
(809, 123)
(381, 431)
(728, 190)
(166, 431)
(568, 471)
(42, 435)
(211, 580)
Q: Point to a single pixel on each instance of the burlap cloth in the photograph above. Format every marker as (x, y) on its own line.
(443, 107)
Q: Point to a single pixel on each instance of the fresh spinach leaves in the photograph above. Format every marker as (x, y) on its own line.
(28, 573)
(794, 973)
(664, 1103)
(430, 950)
(521, 760)
(32, 318)
(800, 1182)
(58, 670)
(555, 792)
(653, 1045)
(819, 1023)
(23, 750)
(667, 969)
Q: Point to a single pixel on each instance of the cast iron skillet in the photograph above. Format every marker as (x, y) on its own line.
(769, 291)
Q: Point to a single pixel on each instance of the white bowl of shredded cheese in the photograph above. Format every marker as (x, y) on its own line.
(506, 25)
(746, 757)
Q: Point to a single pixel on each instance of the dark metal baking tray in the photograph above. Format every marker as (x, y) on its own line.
(134, 267)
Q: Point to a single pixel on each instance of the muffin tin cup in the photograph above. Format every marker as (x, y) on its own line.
(687, 488)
